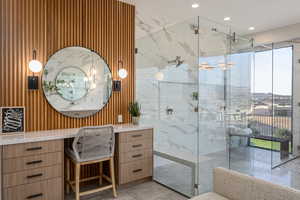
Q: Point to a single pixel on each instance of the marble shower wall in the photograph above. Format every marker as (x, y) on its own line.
(171, 104)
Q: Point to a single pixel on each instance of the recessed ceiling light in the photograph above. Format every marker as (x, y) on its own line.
(251, 28)
(195, 5)
(227, 18)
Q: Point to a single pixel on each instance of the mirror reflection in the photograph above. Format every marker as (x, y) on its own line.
(71, 83)
(77, 82)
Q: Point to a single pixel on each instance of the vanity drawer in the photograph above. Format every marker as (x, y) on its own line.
(135, 145)
(136, 135)
(136, 155)
(135, 170)
(34, 148)
(45, 190)
(32, 162)
(32, 176)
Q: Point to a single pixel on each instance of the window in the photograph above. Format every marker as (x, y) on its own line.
(271, 89)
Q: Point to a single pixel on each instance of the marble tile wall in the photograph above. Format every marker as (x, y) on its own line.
(157, 53)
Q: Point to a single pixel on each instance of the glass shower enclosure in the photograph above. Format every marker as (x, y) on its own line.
(180, 83)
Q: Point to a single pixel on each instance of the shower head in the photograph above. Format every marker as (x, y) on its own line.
(177, 61)
(194, 28)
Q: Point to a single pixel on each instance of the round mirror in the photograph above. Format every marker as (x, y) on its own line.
(77, 82)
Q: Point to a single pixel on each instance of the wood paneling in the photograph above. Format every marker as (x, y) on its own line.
(106, 26)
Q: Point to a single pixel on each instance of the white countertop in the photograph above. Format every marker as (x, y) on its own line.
(38, 136)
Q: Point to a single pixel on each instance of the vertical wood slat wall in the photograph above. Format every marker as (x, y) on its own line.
(106, 26)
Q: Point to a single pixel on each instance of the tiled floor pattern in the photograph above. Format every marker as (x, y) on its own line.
(145, 191)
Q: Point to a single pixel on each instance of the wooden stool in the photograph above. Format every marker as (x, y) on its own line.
(90, 142)
(75, 185)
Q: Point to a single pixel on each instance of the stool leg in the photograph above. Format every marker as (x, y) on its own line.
(67, 175)
(112, 174)
(100, 172)
(77, 181)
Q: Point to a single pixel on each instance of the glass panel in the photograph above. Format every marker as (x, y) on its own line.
(282, 144)
(259, 108)
(166, 173)
(243, 157)
(270, 119)
(213, 145)
(167, 86)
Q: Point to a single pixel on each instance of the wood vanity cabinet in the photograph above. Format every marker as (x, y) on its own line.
(134, 155)
(33, 171)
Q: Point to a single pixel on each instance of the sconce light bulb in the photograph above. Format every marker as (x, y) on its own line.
(122, 73)
(35, 66)
(93, 86)
(159, 76)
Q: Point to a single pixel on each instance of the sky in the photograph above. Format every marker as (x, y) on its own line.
(262, 71)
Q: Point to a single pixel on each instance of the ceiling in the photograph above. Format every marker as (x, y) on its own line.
(153, 15)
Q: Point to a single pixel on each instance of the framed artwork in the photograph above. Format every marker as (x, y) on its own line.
(12, 119)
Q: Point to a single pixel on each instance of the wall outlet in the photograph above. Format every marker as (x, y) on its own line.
(120, 119)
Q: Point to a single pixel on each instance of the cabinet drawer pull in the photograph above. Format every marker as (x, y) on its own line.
(34, 162)
(137, 170)
(34, 176)
(137, 155)
(34, 196)
(34, 149)
(137, 145)
(135, 136)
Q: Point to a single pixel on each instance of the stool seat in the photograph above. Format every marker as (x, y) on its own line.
(69, 152)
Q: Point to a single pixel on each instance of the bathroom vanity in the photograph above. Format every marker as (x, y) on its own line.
(32, 163)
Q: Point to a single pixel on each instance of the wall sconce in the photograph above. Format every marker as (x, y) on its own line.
(122, 73)
(35, 66)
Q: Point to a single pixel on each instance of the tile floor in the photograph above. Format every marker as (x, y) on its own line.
(251, 161)
(257, 163)
(144, 191)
